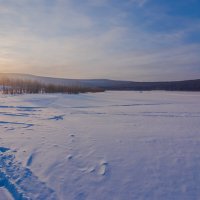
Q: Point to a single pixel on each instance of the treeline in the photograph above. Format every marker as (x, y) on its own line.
(190, 85)
(12, 86)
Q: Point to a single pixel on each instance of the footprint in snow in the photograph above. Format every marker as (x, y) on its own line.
(20, 181)
(59, 117)
(103, 168)
(69, 157)
(30, 160)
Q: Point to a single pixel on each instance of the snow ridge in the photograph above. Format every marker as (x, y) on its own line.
(20, 181)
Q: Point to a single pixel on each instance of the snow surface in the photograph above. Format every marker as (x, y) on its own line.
(4, 194)
(105, 146)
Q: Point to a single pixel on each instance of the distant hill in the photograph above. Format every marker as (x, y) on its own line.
(187, 85)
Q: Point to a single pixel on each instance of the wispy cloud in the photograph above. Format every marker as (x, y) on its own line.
(77, 40)
(139, 2)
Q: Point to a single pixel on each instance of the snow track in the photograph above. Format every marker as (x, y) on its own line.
(21, 182)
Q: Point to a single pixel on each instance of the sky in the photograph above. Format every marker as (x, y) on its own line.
(138, 40)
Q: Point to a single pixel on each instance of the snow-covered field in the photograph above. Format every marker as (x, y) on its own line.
(105, 146)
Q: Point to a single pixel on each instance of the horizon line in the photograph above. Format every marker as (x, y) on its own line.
(107, 79)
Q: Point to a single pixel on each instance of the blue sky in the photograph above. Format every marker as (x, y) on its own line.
(142, 40)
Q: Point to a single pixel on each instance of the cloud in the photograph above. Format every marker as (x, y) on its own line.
(98, 3)
(89, 57)
(140, 3)
(67, 38)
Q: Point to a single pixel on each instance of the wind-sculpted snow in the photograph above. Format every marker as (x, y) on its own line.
(105, 146)
(20, 181)
(18, 117)
(24, 125)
